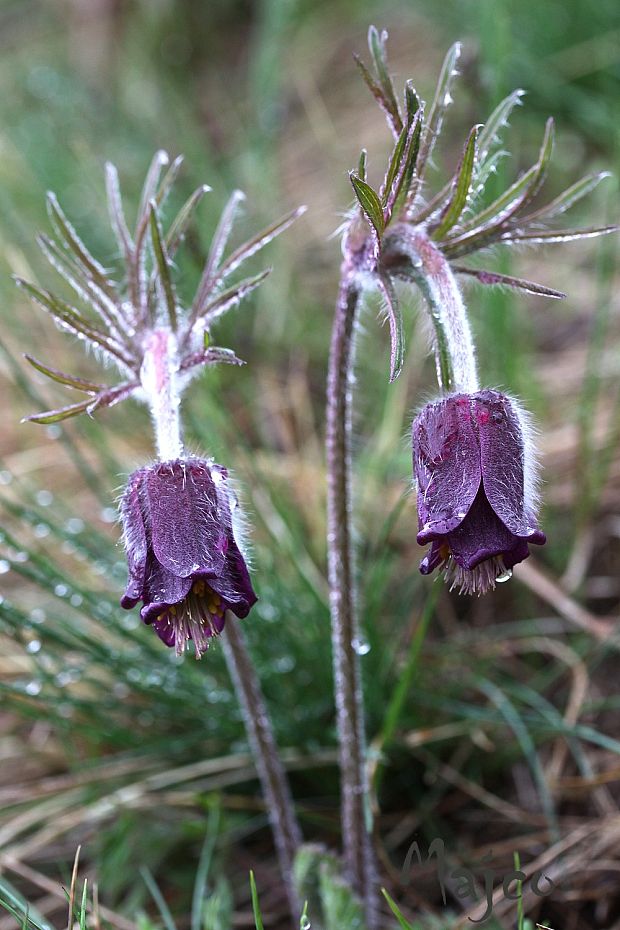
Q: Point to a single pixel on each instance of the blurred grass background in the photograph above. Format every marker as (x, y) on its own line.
(498, 718)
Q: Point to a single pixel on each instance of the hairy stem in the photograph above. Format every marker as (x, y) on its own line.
(271, 772)
(355, 809)
(158, 377)
(422, 262)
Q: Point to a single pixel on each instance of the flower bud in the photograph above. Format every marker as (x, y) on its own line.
(475, 473)
(184, 561)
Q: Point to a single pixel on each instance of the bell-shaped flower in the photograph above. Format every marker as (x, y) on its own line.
(475, 470)
(184, 561)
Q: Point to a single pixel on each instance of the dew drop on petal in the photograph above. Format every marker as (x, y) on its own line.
(61, 590)
(4, 567)
(34, 646)
(505, 576)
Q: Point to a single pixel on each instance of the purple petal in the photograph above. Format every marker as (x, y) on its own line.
(502, 460)
(432, 559)
(135, 540)
(446, 459)
(162, 589)
(481, 536)
(186, 533)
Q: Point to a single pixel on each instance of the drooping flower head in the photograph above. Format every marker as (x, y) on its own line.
(184, 561)
(476, 489)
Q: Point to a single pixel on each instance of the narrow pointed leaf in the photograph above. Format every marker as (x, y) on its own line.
(232, 296)
(72, 320)
(378, 93)
(180, 224)
(73, 242)
(441, 102)
(412, 101)
(213, 355)
(361, 165)
(258, 242)
(167, 182)
(218, 245)
(163, 267)
(558, 235)
(497, 120)
(151, 183)
(401, 181)
(61, 413)
(83, 285)
(376, 44)
(461, 188)
(570, 196)
(115, 209)
(395, 320)
(89, 387)
(520, 284)
(500, 209)
(510, 204)
(394, 166)
(370, 204)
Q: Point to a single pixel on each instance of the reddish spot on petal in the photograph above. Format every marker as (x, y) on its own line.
(482, 415)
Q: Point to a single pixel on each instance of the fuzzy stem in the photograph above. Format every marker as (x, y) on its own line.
(355, 809)
(454, 348)
(158, 377)
(271, 772)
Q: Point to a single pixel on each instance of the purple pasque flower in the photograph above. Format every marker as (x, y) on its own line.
(475, 473)
(184, 561)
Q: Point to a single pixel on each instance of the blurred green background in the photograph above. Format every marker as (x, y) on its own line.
(498, 717)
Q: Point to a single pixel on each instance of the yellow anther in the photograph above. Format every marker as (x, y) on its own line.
(217, 599)
(198, 587)
(173, 611)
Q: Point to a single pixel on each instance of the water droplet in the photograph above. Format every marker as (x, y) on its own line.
(44, 498)
(61, 590)
(304, 923)
(4, 567)
(41, 530)
(130, 621)
(284, 664)
(360, 646)
(76, 599)
(74, 525)
(33, 688)
(34, 646)
(5, 477)
(108, 515)
(37, 615)
(20, 556)
(54, 431)
(505, 576)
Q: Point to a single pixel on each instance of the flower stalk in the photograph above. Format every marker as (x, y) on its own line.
(159, 380)
(355, 809)
(276, 791)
